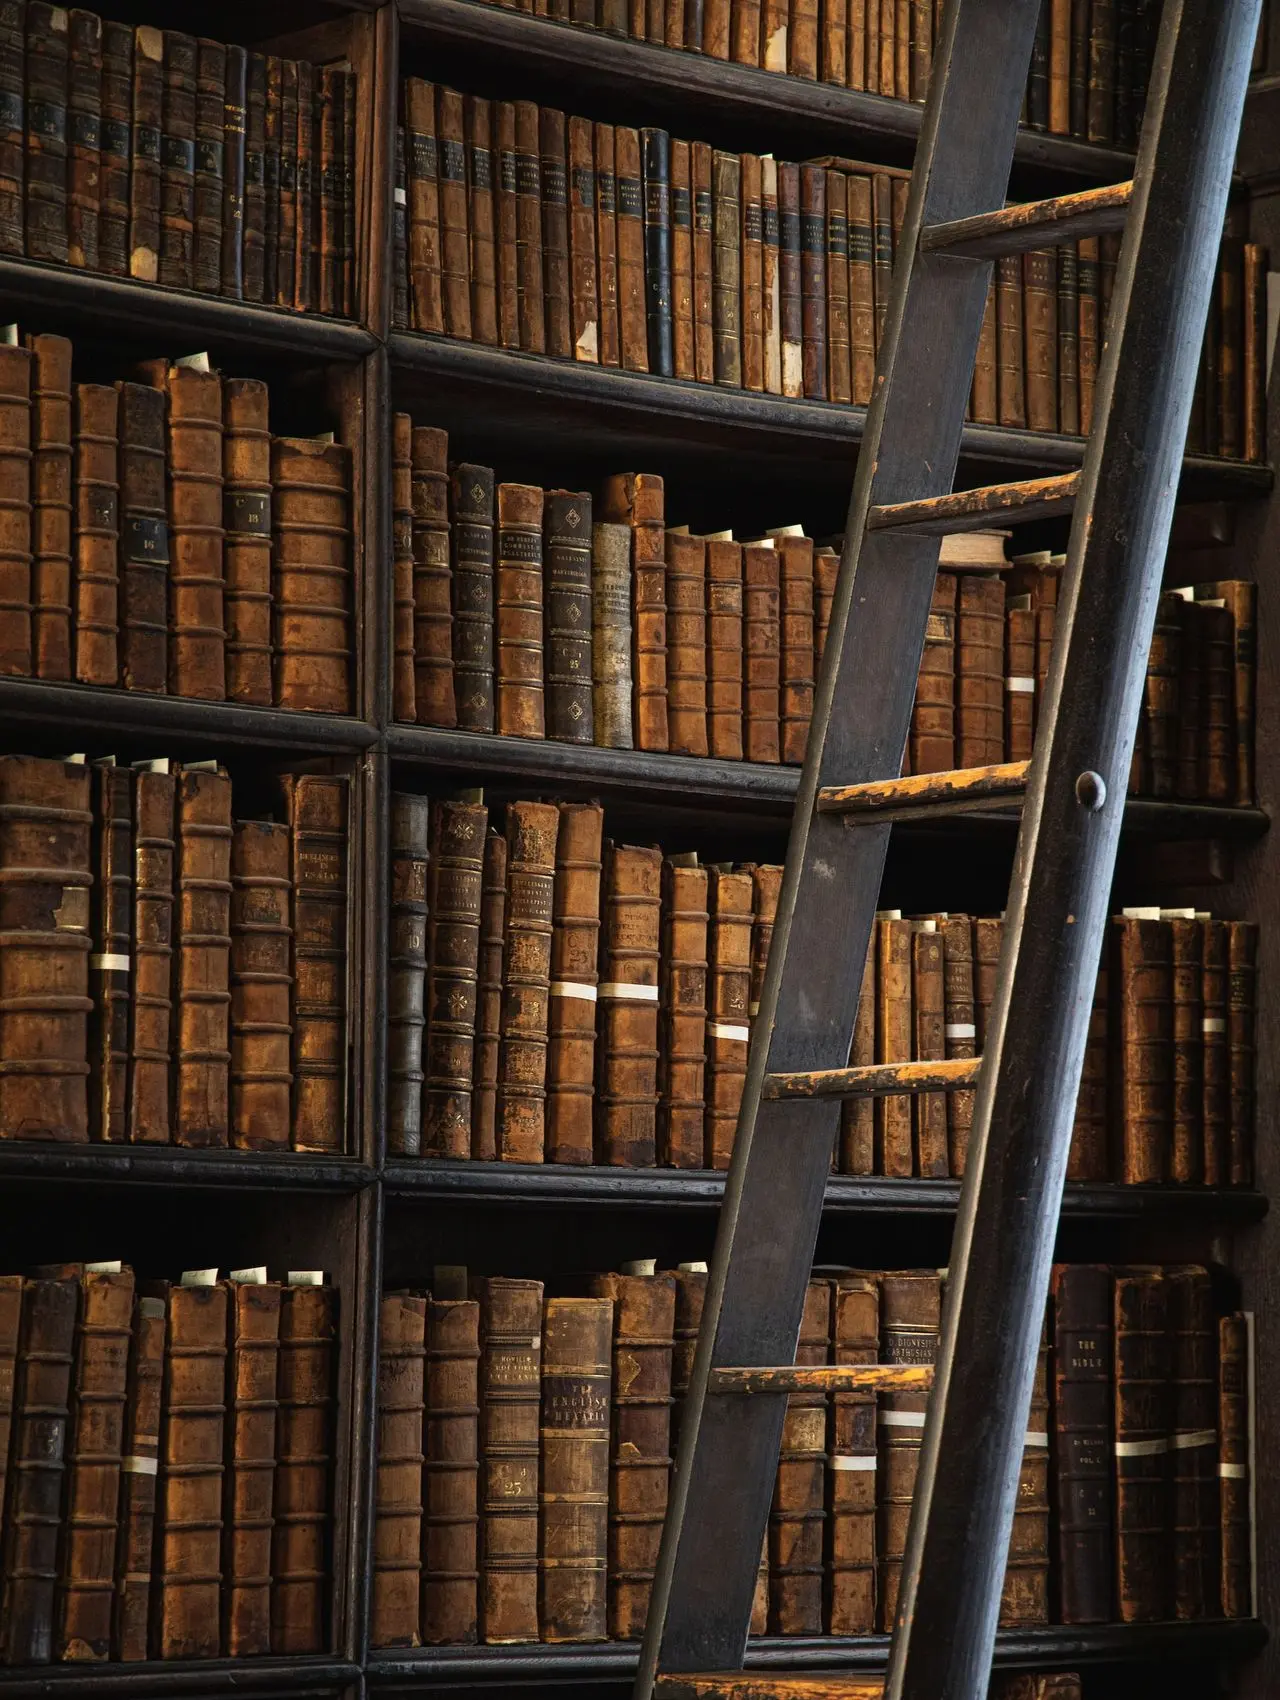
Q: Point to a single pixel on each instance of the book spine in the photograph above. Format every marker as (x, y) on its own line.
(929, 1019)
(851, 1476)
(304, 1459)
(139, 1465)
(253, 1352)
(766, 888)
(1241, 1033)
(838, 309)
(1078, 75)
(46, 114)
(771, 274)
(751, 263)
(111, 929)
(406, 979)
(261, 1079)
(493, 909)
(726, 273)
(471, 534)
(833, 63)
(1068, 340)
(271, 159)
(329, 191)
(567, 546)
(201, 985)
(1194, 1453)
(400, 316)
(1143, 1412)
(1010, 354)
(655, 165)
(150, 1000)
(1090, 1155)
(177, 163)
(317, 811)
(795, 1540)
(1040, 325)
(894, 1043)
(197, 613)
(422, 160)
(724, 649)
(144, 164)
(1083, 1450)
(1025, 1596)
(980, 688)
(285, 280)
(144, 539)
(115, 113)
(933, 718)
(984, 398)
(633, 332)
(1214, 728)
(96, 535)
(1235, 1514)
(246, 525)
(1253, 428)
(51, 507)
(627, 1044)
(348, 154)
(686, 600)
(453, 948)
(1101, 93)
(1187, 987)
(211, 96)
(910, 1304)
(700, 172)
(857, 1115)
(790, 274)
(762, 658)
(744, 32)
(311, 574)
(813, 266)
(611, 635)
(532, 830)
(684, 359)
(478, 123)
(607, 243)
(553, 167)
(255, 177)
(231, 247)
(450, 1567)
(683, 1035)
(13, 124)
(729, 901)
(304, 192)
(717, 19)
(530, 285)
(519, 612)
(84, 138)
(575, 949)
(583, 286)
(1019, 683)
(510, 1387)
(1144, 991)
(397, 1539)
(434, 696)
(574, 1493)
(796, 632)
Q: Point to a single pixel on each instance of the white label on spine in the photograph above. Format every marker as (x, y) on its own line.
(614, 989)
(753, 1008)
(853, 1461)
(728, 1030)
(114, 1267)
(1213, 1024)
(1034, 1437)
(1020, 686)
(110, 962)
(199, 1278)
(901, 1419)
(960, 1030)
(402, 199)
(573, 989)
(135, 1466)
(1233, 1472)
(306, 1278)
(1141, 1448)
(1188, 1438)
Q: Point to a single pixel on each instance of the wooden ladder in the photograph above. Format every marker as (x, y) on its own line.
(1073, 793)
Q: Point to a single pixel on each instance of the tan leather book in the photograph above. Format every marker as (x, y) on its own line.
(1142, 986)
(686, 599)
(434, 699)
(744, 32)
(510, 1399)
(633, 336)
(1241, 1034)
(1195, 1444)
(246, 520)
(795, 563)
(197, 616)
(567, 614)
(425, 279)
(627, 1021)
(253, 1351)
(453, 948)
(851, 1475)
(45, 821)
(406, 978)
(839, 352)
(1060, 67)
(450, 1563)
(15, 511)
(984, 396)
(201, 961)
(311, 577)
(477, 116)
(857, 1115)
(932, 744)
(894, 1041)
(140, 1451)
(762, 659)
(151, 989)
(532, 830)
(910, 1307)
(397, 1525)
(493, 908)
(833, 57)
(611, 636)
(682, 1039)
(51, 506)
(771, 278)
(726, 266)
(703, 265)
(797, 1515)
(1025, 1596)
(607, 242)
(1235, 1514)
(724, 648)
(766, 889)
(960, 1028)
(979, 670)
(574, 977)
(261, 1080)
(682, 309)
(928, 1004)
(584, 291)
(144, 540)
(751, 312)
(1186, 1163)
(519, 612)
(111, 932)
(802, 39)
(729, 901)
(1010, 352)
(302, 1507)
(637, 499)
(553, 166)
(451, 166)
(1090, 1157)
(317, 808)
(1040, 309)
(504, 201)
(716, 28)
(574, 1493)
(403, 699)
(1019, 678)
(530, 283)
(1143, 1390)
(471, 500)
(144, 164)
(186, 1608)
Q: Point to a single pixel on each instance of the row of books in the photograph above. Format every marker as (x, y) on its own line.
(525, 1438)
(555, 997)
(157, 536)
(171, 974)
(627, 248)
(166, 1454)
(147, 153)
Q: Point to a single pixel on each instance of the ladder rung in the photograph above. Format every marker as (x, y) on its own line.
(825, 1378)
(767, 1685)
(974, 510)
(1036, 224)
(939, 793)
(881, 1080)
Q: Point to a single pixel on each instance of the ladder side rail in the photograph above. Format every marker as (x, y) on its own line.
(722, 1486)
(1058, 907)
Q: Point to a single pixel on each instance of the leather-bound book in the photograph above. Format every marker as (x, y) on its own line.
(833, 44)
(567, 586)
(1215, 1055)
(1253, 353)
(686, 598)
(979, 670)
(584, 291)
(406, 975)
(959, 1030)
(255, 189)
(450, 1552)
(46, 113)
(231, 212)
(762, 658)
(1214, 727)
(798, 1515)
(150, 1000)
(261, 987)
(1143, 1393)
(574, 1493)
(201, 983)
(1040, 327)
(1090, 1156)
(1142, 986)
(453, 949)
(1088, 254)
(177, 162)
(1235, 1513)
(422, 158)
(933, 718)
(532, 830)
(839, 369)
(766, 889)
(185, 1622)
(988, 933)
(851, 1476)
(802, 40)
(791, 286)
(627, 1022)
(1010, 371)
(716, 28)
(329, 191)
(140, 1451)
(751, 313)
(1194, 1451)
(211, 94)
(894, 1041)
(1019, 678)
(84, 143)
(611, 635)
(493, 909)
(510, 1398)
(432, 604)
(1241, 599)
(857, 1115)
(246, 522)
(633, 335)
(604, 144)
(397, 1526)
(96, 506)
(1025, 1596)
(637, 499)
(110, 960)
(287, 186)
(655, 169)
(771, 274)
(253, 1350)
(51, 506)
(144, 539)
(402, 671)
(197, 615)
(317, 809)
(682, 1041)
(518, 640)
(571, 1022)
(910, 1308)
(529, 275)
(347, 79)
(1187, 1100)
(45, 821)
(929, 1019)
(984, 403)
(12, 125)
(1100, 107)
(306, 182)
(744, 32)
(455, 265)
(724, 648)
(862, 306)
(726, 266)
(682, 287)
(10, 1328)
(691, 1293)
(1068, 350)
(477, 122)
(729, 900)
(1158, 771)
(813, 285)
(700, 173)
(38, 1454)
(271, 176)
(1082, 1446)
(795, 564)
(302, 1508)
(553, 170)
(1241, 1037)
(144, 162)
(311, 576)
(826, 572)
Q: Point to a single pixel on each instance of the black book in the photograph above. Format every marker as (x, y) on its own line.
(1038, 76)
(655, 166)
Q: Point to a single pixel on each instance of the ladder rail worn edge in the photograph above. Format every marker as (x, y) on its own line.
(1057, 915)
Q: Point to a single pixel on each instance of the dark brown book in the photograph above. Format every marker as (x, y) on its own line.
(862, 305)
(1186, 1162)
(851, 1475)
(795, 571)
(1158, 768)
(571, 1022)
(929, 1020)
(10, 1328)
(271, 125)
(762, 658)
(231, 211)
(553, 168)
(1241, 1038)
(477, 123)
(1025, 1596)
(1235, 1512)
(453, 948)
(895, 1041)
(211, 94)
(144, 162)
(606, 190)
(15, 506)
(910, 1304)
(790, 279)
(813, 279)
(627, 1019)
(246, 522)
(139, 1467)
(1240, 598)
(584, 293)
(724, 648)
(46, 113)
(406, 977)
(771, 278)
(177, 163)
(397, 1537)
(422, 161)
(303, 234)
(1010, 352)
(574, 1491)
(1082, 1447)
(1040, 328)
(1090, 337)
(455, 265)
(84, 137)
(1143, 1392)
(151, 981)
(726, 266)
(317, 810)
(682, 1041)
(493, 907)
(311, 573)
(12, 124)
(304, 1463)
(518, 603)
(347, 78)
(510, 1399)
(700, 174)
(261, 1079)
(51, 506)
(45, 942)
(567, 589)
(253, 1351)
(432, 603)
(933, 719)
(839, 368)
(1090, 1158)
(1194, 1444)
(857, 1115)
(686, 600)
(529, 277)
(328, 192)
(1101, 93)
(144, 540)
(201, 960)
(110, 960)
(286, 150)
(450, 1561)
(633, 334)
(979, 670)
(751, 313)
(96, 543)
(798, 1513)
(1253, 426)
(637, 499)
(984, 403)
(255, 171)
(197, 615)
(730, 900)
(1210, 664)
(403, 695)
(1142, 987)
(532, 830)
(684, 357)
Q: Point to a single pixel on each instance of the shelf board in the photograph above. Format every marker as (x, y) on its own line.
(555, 1186)
(538, 394)
(674, 81)
(182, 1678)
(167, 1166)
